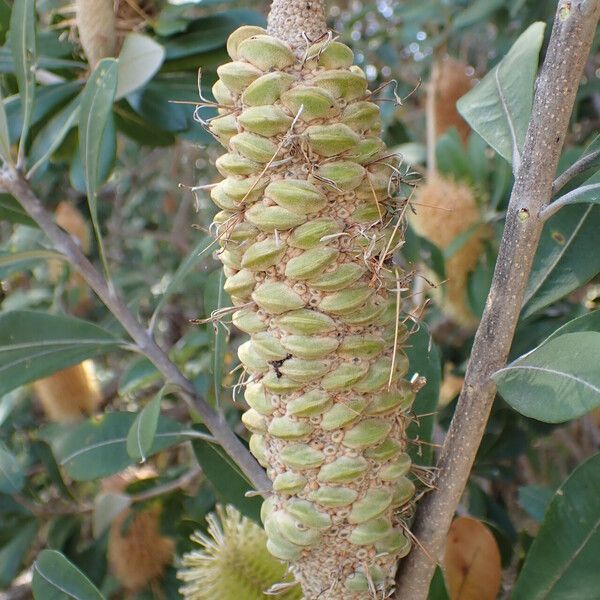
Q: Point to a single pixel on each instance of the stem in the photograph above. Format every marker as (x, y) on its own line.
(557, 85)
(577, 168)
(568, 198)
(296, 21)
(14, 183)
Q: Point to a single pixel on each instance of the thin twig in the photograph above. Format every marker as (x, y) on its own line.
(570, 42)
(14, 183)
(568, 198)
(577, 168)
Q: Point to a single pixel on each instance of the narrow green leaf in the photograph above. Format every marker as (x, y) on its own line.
(14, 552)
(29, 255)
(22, 35)
(556, 382)
(12, 475)
(139, 60)
(11, 211)
(141, 435)
(56, 578)
(499, 107)
(35, 344)
(4, 136)
(563, 559)
(588, 322)
(96, 106)
(534, 499)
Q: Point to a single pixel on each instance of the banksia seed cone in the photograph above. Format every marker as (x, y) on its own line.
(444, 210)
(138, 552)
(234, 562)
(70, 394)
(96, 25)
(307, 230)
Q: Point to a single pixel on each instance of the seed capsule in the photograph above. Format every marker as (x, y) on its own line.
(306, 513)
(366, 433)
(344, 377)
(361, 345)
(237, 76)
(305, 371)
(362, 116)
(366, 151)
(301, 456)
(254, 147)
(330, 55)
(294, 531)
(370, 506)
(280, 385)
(310, 234)
(305, 322)
(304, 346)
(281, 547)
(265, 120)
(269, 347)
(254, 421)
(239, 35)
(342, 175)
(252, 362)
(257, 399)
(222, 94)
(330, 140)
(231, 258)
(224, 128)
(234, 164)
(387, 401)
(248, 189)
(248, 321)
(395, 543)
(377, 377)
(341, 83)
(360, 582)
(386, 450)
(395, 470)
(370, 532)
(404, 490)
(297, 195)
(241, 284)
(367, 314)
(343, 470)
(266, 52)
(258, 448)
(367, 213)
(342, 414)
(262, 255)
(277, 297)
(286, 428)
(310, 263)
(289, 483)
(345, 301)
(341, 278)
(271, 218)
(316, 102)
(309, 404)
(266, 89)
(333, 497)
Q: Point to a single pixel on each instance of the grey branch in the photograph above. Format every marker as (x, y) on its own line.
(569, 198)
(14, 183)
(577, 168)
(570, 42)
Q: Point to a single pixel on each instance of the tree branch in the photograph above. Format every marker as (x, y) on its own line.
(572, 35)
(14, 183)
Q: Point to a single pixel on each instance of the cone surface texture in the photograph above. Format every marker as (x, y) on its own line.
(307, 229)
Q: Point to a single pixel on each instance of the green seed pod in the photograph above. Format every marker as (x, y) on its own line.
(395, 543)
(231, 258)
(386, 450)
(265, 120)
(248, 190)
(285, 428)
(283, 550)
(362, 116)
(342, 277)
(238, 36)
(386, 401)
(361, 582)
(342, 414)
(371, 505)
(309, 404)
(254, 147)
(370, 532)
(221, 199)
(262, 255)
(364, 346)
(224, 128)
(271, 218)
(342, 83)
(316, 103)
(296, 195)
(305, 346)
(366, 433)
(342, 175)
(345, 301)
(266, 52)
(404, 490)
(269, 347)
(280, 385)
(367, 213)
(234, 164)
(237, 76)
(310, 234)
(289, 483)
(396, 469)
(333, 497)
(266, 89)
(306, 513)
(330, 55)
(310, 263)
(345, 376)
(277, 297)
(301, 456)
(258, 448)
(330, 140)
(222, 94)
(305, 371)
(377, 377)
(282, 545)
(366, 151)
(306, 322)
(256, 398)
(343, 470)
(366, 315)
(254, 421)
(294, 531)
(252, 362)
(241, 284)
(248, 321)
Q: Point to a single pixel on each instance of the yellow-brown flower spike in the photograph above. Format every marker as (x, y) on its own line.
(444, 210)
(70, 394)
(307, 228)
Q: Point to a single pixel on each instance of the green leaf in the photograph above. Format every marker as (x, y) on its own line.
(107, 506)
(55, 578)
(556, 382)
(566, 258)
(13, 261)
(229, 483)
(11, 211)
(97, 447)
(12, 476)
(477, 11)
(14, 552)
(587, 322)
(140, 374)
(139, 60)
(499, 107)
(563, 559)
(534, 500)
(424, 360)
(4, 135)
(141, 435)
(95, 109)
(35, 344)
(437, 589)
(22, 35)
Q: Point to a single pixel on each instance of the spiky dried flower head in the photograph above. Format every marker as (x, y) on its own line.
(311, 214)
(234, 562)
(450, 81)
(96, 26)
(445, 209)
(70, 394)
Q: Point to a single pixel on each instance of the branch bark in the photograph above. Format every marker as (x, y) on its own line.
(570, 42)
(14, 183)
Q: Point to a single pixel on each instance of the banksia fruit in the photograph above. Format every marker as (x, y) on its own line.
(234, 562)
(307, 228)
(70, 394)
